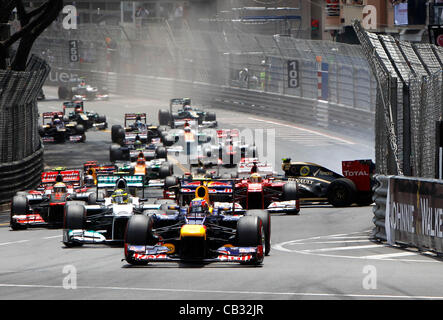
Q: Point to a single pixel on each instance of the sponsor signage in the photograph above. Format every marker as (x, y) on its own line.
(414, 213)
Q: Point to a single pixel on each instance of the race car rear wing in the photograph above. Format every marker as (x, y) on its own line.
(72, 105)
(218, 190)
(68, 176)
(50, 115)
(133, 117)
(109, 181)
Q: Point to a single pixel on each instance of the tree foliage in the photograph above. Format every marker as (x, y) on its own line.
(32, 23)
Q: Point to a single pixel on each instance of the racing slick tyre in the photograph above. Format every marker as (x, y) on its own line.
(19, 206)
(41, 131)
(164, 117)
(266, 220)
(161, 153)
(93, 197)
(250, 233)
(210, 116)
(102, 119)
(290, 192)
(165, 170)
(115, 153)
(341, 192)
(139, 233)
(64, 93)
(73, 219)
(79, 129)
(117, 134)
(83, 138)
(170, 182)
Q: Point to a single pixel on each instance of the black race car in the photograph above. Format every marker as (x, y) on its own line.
(318, 184)
(82, 91)
(185, 114)
(74, 111)
(55, 129)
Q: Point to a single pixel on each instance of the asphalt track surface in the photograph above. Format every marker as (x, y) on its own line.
(324, 253)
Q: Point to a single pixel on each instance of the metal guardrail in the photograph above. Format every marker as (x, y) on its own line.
(408, 212)
(21, 149)
(297, 109)
(20, 175)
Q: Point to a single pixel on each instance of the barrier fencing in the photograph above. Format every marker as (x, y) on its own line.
(329, 71)
(21, 150)
(408, 105)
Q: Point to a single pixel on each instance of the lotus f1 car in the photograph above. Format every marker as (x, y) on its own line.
(74, 111)
(54, 129)
(45, 205)
(196, 232)
(318, 184)
(105, 221)
(185, 114)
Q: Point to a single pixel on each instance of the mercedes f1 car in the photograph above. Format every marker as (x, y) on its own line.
(54, 129)
(131, 150)
(318, 184)
(185, 114)
(45, 205)
(197, 231)
(75, 112)
(105, 221)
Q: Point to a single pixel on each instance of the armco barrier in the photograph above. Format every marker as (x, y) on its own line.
(20, 175)
(292, 108)
(21, 150)
(408, 211)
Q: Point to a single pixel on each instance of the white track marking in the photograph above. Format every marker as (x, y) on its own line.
(326, 242)
(390, 255)
(256, 293)
(345, 248)
(304, 129)
(13, 242)
(58, 236)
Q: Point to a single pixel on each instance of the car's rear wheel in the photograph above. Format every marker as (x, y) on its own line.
(115, 153)
(341, 192)
(164, 117)
(165, 171)
(161, 153)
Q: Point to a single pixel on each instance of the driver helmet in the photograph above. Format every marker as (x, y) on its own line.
(137, 143)
(187, 129)
(59, 187)
(56, 121)
(187, 107)
(120, 196)
(78, 109)
(255, 178)
(89, 180)
(198, 207)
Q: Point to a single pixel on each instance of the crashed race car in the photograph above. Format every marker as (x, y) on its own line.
(105, 221)
(135, 126)
(318, 184)
(74, 111)
(45, 205)
(196, 231)
(82, 91)
(185, 114)
(54, 129)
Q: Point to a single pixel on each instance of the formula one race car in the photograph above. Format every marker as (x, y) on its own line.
(131, 150)
(151, 170)
(135, 126)
(185, 114)
(105, 222)
(318, 184)
(54, 129)
(82, 91)
(196, 232)
(74, 111)
(91, 169)
(45, 205)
